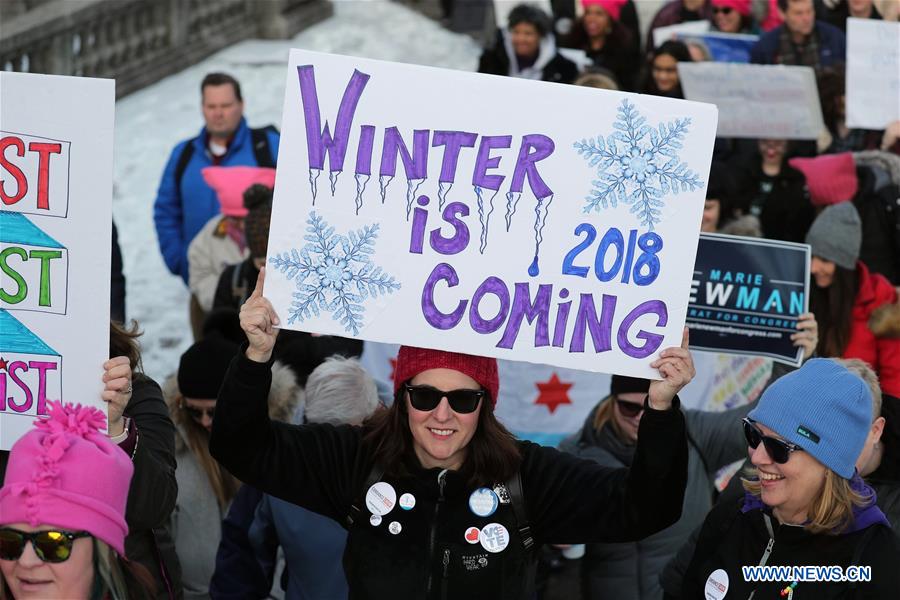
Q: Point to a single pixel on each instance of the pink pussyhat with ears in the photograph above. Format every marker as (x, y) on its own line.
(66, 473)
(230, 183)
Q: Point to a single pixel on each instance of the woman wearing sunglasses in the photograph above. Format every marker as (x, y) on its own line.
(62, 513)
(733, 16)
(804, 503)
(440, 500)
(205, 488)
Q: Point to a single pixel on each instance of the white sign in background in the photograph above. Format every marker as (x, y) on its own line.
(466, 212)
(757, 101)
(873, 73)
(56, 178)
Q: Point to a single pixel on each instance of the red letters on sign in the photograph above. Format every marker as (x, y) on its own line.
(43, 150)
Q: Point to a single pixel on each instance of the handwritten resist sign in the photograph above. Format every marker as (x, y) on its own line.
(472, 213)
(54, 231)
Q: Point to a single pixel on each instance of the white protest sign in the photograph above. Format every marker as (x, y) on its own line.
(873, 73)
(502, 8)
(451, 210)
(56, 157)
(757, 101)
(670, 32)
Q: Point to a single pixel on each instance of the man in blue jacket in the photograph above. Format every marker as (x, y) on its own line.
(801, 40)
(184, 202)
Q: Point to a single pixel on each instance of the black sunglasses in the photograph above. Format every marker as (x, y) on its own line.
(725, 10)
(197, 413)
(629, 409)
(778, 450)
(426, 398)
(52, 545)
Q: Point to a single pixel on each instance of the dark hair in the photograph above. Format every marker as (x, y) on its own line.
(722, 186)
(833, 307)
(783, 4)
(492, 454)
(677, 50)
(526, 13)
(222, 79)
(832, 87)
(257, 195)
(618, 38)
(123, 342)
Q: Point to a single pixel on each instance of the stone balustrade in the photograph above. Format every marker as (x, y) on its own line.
(137, 42)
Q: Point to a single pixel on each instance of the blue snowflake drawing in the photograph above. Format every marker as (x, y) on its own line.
(334, 273)
(638, 165)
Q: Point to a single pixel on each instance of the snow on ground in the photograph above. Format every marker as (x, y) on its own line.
(150, 122)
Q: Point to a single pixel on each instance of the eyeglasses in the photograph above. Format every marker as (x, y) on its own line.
(629, 409)
(778, 450)
(52, 545)
(725, 10)
(197, 413)
(426, 398)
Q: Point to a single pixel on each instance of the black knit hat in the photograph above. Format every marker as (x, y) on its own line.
(526, 13)
(203, 366)
(628, 385)
(258, 201)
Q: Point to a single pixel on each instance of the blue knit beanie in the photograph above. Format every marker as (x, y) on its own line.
(823, 408)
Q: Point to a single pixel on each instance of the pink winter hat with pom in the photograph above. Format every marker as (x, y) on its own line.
(65, 472)
(230, 183)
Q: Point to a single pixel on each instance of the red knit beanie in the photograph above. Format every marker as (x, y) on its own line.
(831, 178)
(411, 361)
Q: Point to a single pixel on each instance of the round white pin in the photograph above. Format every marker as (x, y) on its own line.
(494, 537)
(473, 534)
(395, 527)
(375, 520)
(716, 585)
(407, 501)
(380, 498)
(483, 502)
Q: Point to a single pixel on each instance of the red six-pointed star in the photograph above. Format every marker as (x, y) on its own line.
(553, 393)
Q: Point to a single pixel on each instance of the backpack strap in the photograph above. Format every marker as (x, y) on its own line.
(238, 287)
(517, 503)
(356, 514)
(261, 149)
(183, 159)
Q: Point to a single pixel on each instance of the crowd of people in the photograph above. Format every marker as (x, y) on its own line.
(272, 464)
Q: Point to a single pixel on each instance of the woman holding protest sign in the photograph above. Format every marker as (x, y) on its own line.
(805, 503)
(439, 498)
(857, 310)
(62, 513)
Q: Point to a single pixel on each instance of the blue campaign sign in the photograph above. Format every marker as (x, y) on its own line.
(746, 295)
(722, 47)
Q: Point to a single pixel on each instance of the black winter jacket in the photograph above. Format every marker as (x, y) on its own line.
(423, 552)
(496, 61)
(151, 497)
(731, 539)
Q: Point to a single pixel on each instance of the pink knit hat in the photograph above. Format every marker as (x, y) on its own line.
(741, 6)
(65, 472)
(831, 178)
(411, 361)
(612, 7)
(230, 183)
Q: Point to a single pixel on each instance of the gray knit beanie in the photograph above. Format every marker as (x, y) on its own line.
(836, 235)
